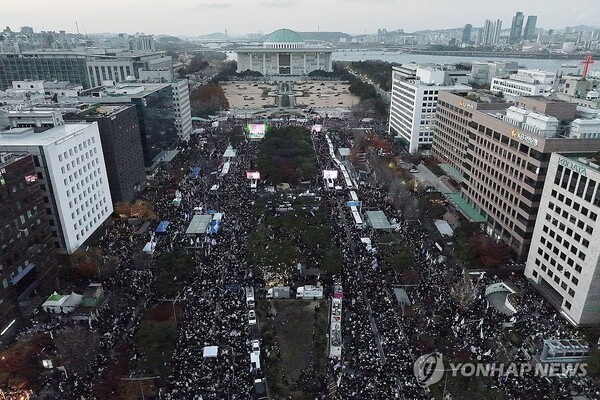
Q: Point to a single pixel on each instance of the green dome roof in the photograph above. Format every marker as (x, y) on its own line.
(284, 36)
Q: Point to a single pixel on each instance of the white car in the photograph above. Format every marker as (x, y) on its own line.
(252, 317)
(255, 345)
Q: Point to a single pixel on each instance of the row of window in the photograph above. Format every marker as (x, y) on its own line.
(580, 185)
(76, 149)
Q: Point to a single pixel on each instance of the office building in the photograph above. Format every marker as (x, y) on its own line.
(122, 66)
(284, 53)
(71, 172)
(466, 34)
(157, 112)
(121, 146)
(526, 82)
(183, 110)
(482, 73)
(89, 69)
(28, 263)
(49, 66)
(516, 28)
(564, 260)
(505, 159)
(491, 32)
(529, 31)
(415, 92)
(141, 42)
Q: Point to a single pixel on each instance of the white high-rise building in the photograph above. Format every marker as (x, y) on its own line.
(70, 167)
(564, 259)
(183, 111)
(413, 104)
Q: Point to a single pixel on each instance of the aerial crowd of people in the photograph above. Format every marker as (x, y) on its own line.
(380, 341)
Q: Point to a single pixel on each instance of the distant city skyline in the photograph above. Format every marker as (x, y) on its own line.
(199, 17)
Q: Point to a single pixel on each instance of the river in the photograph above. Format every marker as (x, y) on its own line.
(406, 58)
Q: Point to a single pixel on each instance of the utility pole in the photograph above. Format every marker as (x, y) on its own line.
(173, 301)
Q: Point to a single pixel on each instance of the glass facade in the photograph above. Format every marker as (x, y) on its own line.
(156, 115)
(61, 67)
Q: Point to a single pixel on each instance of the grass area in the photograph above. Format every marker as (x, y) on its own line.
(275, 243)
(156, 339)
(286, 155)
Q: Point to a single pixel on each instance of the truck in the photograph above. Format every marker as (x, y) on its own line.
(309, 292)
(250, 297)
(278, 292)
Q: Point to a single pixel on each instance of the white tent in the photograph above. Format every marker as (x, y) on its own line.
(210, 351)
(62, 303)
(443, 227)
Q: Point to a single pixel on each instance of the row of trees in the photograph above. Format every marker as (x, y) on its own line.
(286, 155)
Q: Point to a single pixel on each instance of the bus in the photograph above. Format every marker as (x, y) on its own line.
(250, 297)
(358, 221)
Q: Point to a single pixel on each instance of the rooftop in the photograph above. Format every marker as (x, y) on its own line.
(27, 136)
(284, 36)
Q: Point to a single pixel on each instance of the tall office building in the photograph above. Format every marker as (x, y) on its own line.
(466, 34)
(183, 110)
(516, 28)
(72, 175)
(529, 31)
(414, 98)
(564, 260)
(121, 146)
(160, 110)
(27, 261)
(491, 32)
(506, 157)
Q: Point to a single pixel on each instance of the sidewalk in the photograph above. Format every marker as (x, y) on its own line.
(428, 178)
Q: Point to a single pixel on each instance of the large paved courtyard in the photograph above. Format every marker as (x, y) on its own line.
(253, 95)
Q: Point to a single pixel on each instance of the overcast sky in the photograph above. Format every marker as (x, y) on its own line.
(196, 17)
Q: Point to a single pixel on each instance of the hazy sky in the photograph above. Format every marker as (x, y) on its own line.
(195, 17)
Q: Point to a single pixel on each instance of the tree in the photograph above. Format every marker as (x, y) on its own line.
(86, 264)
(196, 64)
(208, 99)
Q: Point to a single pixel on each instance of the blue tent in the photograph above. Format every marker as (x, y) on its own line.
(214, 226)
(195, 173)
(162, 227)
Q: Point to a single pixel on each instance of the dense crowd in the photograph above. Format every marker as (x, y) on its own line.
(380, 341)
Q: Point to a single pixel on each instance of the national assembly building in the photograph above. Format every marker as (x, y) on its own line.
(284, 53)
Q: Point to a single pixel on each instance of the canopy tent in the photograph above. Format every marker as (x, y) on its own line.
(443, 227)
(378, 220)
(166, 156)
(162, 227)
(195, 172)
(225, 169)
(62, 303)
(149, 247)
(215, 223)
(199, 224)
(230, 153)
(210, 351)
